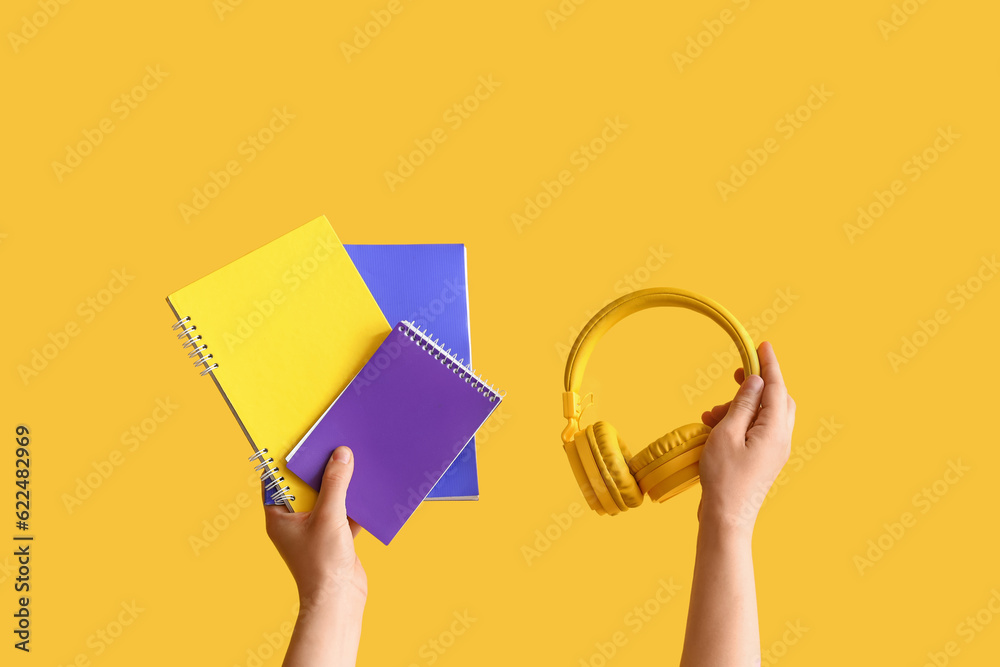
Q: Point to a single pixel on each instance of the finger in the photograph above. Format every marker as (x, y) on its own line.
(773, 402)
(715, 415)
(739, 375)
(743, 408)
(720, 411)
(332, 501)
(355, 528)
(275, 510)
(273, 516)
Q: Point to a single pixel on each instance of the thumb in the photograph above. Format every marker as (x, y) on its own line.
(332, 501)
(744, 406)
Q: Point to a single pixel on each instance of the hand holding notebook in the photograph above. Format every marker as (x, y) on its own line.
(406, 415)
(282, 330)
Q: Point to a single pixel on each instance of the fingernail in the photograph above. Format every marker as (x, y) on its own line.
(342, 455)
(754, 383)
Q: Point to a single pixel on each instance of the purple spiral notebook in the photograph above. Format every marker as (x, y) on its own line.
(426, 284)
(406, 415)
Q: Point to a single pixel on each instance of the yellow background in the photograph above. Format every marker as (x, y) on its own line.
(655, 186)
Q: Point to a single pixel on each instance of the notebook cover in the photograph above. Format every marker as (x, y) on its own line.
(406, 416)
(289, 325)
(427, 284)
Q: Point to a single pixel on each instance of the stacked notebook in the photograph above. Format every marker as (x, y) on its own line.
(306, 360)
(409, 413)
(426, 285)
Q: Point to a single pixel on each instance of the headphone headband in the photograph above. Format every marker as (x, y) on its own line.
(654, 297)
(612, 480)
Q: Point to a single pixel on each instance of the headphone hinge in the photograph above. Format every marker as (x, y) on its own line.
(571, 411)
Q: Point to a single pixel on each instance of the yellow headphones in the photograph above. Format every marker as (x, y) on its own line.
(612, 480)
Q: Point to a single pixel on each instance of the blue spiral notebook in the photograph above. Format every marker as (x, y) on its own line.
(426, 284)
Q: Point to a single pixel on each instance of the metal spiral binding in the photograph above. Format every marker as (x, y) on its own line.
(426, 341)
(270, 475)
(193, 339)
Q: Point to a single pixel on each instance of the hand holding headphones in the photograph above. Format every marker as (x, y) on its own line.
(612, 480)
(749, 443)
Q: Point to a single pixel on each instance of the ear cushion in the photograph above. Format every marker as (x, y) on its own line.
(672, 443)
(670, 465)
(612, 456)
(595, 484)
(581, 475)
(674, 483)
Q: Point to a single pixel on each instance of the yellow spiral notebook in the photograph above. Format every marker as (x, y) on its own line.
(281, 331)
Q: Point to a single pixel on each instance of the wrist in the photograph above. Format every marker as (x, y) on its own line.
(328, 628)
(343, 600)
(720, 521)
(722, 536)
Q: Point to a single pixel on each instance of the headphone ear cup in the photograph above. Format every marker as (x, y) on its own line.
(595, 479)
(670, 464)
(597, 483)
(611, 455)
(580, 473)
